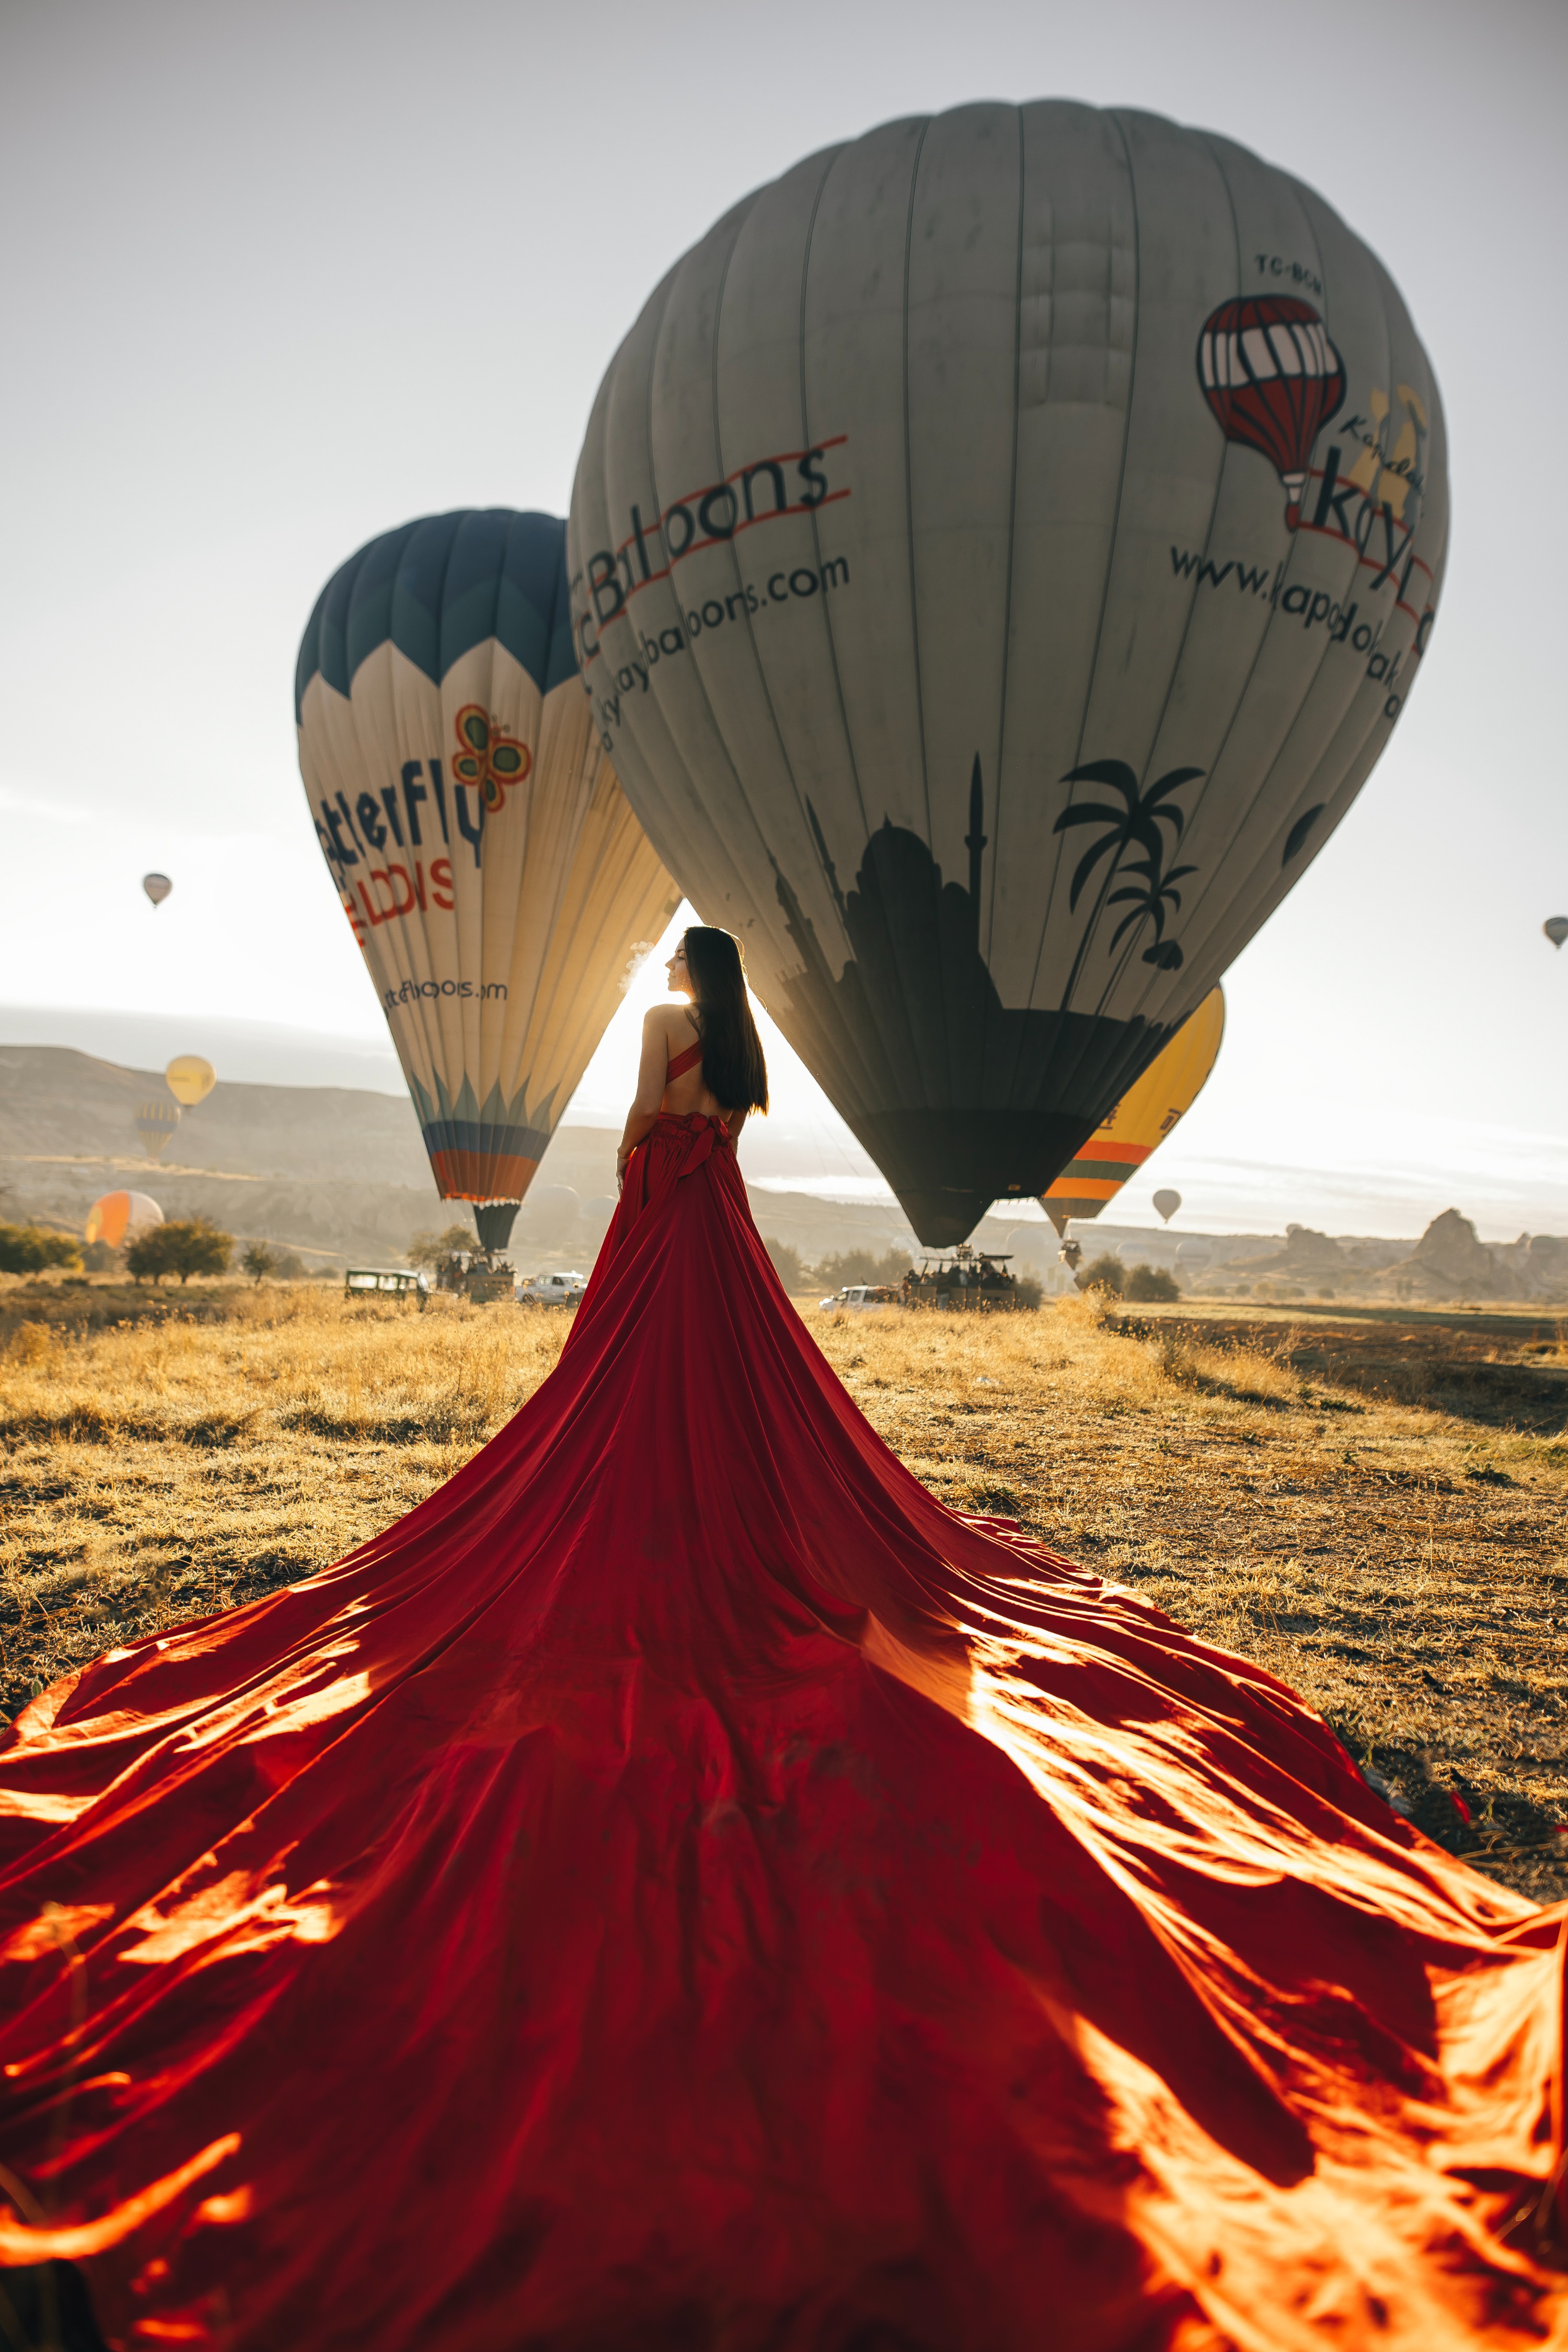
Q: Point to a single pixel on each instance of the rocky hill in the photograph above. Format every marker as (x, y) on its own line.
(340, 1175)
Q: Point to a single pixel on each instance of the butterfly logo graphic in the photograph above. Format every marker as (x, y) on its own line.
(487, 758)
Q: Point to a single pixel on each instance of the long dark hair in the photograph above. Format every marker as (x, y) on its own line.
(733, 1069)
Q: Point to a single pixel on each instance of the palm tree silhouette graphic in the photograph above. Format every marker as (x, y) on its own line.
(1135, 824)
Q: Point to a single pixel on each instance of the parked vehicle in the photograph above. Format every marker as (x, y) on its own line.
(862, 1294)
(553, 1290)
(396, 1279)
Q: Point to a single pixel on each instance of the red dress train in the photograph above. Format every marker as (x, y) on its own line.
(682, 1889)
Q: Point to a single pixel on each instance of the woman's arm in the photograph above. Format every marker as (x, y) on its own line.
(651, 1074)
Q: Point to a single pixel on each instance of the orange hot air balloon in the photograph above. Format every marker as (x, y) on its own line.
(119, 1217)
(190, 1079)
(1142, 1120)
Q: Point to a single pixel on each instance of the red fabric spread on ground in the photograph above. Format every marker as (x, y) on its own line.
(683, 1887)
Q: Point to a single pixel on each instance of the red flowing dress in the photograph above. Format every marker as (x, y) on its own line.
(682, 1889)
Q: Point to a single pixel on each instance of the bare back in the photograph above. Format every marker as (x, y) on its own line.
(670, 1033)
(688, 1091)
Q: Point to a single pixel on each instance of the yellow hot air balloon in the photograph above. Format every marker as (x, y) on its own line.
(1142, 1120)
(190, 1079)
(155, 1125)
(119, 1217)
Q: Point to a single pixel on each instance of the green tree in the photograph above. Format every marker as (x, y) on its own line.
(183, 1245)
(28, 1249)
(788, 1264)
(429, 1249)
(845, 1266)
(1105, 1273)
(257, 1260)
(1151, 1285)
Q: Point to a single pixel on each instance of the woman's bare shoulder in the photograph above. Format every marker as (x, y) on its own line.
(670, 1022)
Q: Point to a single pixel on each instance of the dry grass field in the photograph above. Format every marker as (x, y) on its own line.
(1369, 1504)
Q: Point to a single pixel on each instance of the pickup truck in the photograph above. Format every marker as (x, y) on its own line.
(551, 1289)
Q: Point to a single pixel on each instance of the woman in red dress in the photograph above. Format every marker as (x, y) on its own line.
(684, 1887)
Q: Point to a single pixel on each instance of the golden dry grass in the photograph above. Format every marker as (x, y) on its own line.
(1376, 1519)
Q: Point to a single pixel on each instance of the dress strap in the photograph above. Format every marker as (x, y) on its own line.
(682, 1062)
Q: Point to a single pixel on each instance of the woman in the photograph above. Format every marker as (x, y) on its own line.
(688, 1053)
(682, 1886)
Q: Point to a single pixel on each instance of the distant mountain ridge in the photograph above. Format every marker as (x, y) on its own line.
(55, 1100)
(259, 1053)
(340, 1173)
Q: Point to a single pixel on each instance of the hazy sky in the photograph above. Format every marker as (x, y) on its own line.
(279, 276)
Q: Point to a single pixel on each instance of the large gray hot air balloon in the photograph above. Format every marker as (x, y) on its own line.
(1000, 552)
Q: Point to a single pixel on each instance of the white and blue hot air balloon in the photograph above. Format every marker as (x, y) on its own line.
(499, 888)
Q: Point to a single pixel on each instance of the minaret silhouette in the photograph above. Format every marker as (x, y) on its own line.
(975, 841)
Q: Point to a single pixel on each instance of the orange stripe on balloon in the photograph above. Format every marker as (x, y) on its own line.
(482, 1175)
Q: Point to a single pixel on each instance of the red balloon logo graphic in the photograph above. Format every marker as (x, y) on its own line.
(1273, 379)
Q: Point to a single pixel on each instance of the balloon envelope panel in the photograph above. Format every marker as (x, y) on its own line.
(999, 552)
(497, 882)
(1141, 1121)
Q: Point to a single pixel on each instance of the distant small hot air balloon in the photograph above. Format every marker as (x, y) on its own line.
(157, 887)
(190, 1079)
(119, 1217)
(1556, 929)
(1167, 1202)
(1141, 1121)
(1273, 379)
(155, 1124)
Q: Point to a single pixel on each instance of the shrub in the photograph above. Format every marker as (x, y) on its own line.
(185, 1245)
(257, 1260)
(788, 1265)
(429, 1249)
(289, 1267)
(1026, 1291)
(27, 1249)
(1150, 1284)
(845, 1266)
(1105, 1273)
